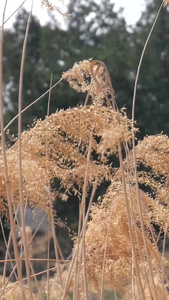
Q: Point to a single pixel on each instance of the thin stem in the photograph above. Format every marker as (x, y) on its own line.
(32, 276)
(31, 104)
(49, 98)
(48, 253)
(7, 254)
(56, 246)
(129, 179)
(81, 234)
(104, 262)
(132, 284)
(81, 219)
(140, 63)
(7, 183)
(4, 22)
(134, 153)
(130, 225)
(23, 235)
(115, 295)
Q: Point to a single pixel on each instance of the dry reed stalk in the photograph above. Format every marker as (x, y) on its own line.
(23, 234)
(82, 209)
(29, 239)
(129, 210)
(5, 21)
(31, 104)
(9, 197)
(48, 263)
(50, 199)
(130, 171)
(49, 98)
(134, 154)
(54, 238)
(7, 254)
(158, 147)
(71, 268)
(22, 258)
(11, 285)
(35, 259)
(141, 291)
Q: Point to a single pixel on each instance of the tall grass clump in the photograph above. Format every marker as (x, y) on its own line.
(116, 245)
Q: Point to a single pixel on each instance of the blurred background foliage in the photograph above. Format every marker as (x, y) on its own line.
(92, 31)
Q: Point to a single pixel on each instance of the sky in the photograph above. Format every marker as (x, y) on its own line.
(132, 9)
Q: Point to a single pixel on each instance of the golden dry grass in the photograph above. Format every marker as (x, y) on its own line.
(57, 148)
(118, 249)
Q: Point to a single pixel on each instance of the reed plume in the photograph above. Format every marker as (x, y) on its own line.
(110, 217)
(166, 2)
(120, 253)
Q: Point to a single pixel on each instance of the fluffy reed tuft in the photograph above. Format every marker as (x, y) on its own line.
(12, 292)
(166, 3)
(161, 290)
(110, 218)
(91, 77)
(57, 148)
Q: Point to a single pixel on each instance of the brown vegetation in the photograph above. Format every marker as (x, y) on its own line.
(117, 249)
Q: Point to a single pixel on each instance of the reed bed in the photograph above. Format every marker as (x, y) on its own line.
(116, 246)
